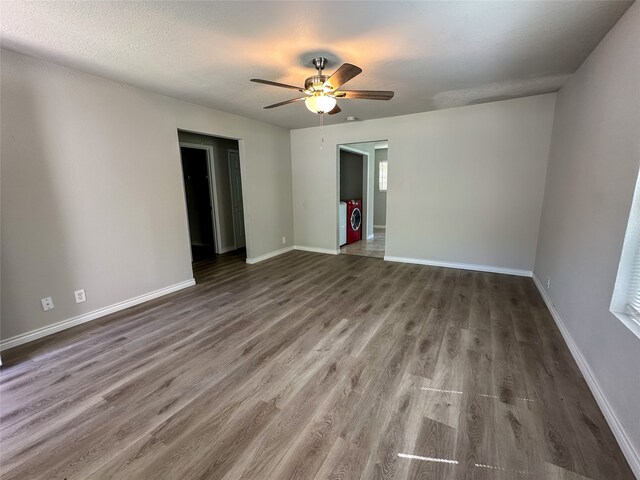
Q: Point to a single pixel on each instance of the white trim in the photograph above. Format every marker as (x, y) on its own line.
(629, 321)
(267, 256)
(624, 440)
(369, 237)
(233, 216)
(384, 227)
(367, 177)
(327, 251)
(246, 199)
(86, 317)
(227, 249)
(461, 266)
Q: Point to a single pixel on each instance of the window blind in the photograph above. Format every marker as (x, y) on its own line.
(633, 296)
(382, 177)
(625, 301)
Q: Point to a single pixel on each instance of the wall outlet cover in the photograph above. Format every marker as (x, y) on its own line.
(47, 303)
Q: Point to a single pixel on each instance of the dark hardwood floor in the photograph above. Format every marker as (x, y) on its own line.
(309, 366)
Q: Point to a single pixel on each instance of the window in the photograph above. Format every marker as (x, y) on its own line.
(633, 300)
(382, 176)
(625, 303)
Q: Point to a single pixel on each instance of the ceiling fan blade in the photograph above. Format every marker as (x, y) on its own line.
(365, 94)
(276, 84)
(286, 102)
(341, 76)
(334, 110)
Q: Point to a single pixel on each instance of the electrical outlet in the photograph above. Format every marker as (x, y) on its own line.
(548, 282)
(47, 303)
(80, 296)
(284, 240)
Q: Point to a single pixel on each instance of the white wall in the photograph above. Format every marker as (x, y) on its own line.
(92, 194)
(593, 167)
(465, 185)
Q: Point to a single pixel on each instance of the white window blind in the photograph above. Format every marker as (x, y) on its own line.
(634, 293)
(382, 176)
(633, 237)
(625, 302)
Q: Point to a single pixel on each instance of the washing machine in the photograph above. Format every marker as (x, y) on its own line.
(354, 220)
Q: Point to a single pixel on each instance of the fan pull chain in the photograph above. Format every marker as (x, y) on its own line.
(322, 130)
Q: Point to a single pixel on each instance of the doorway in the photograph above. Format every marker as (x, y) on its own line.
(362, 173)
(212, 177)
(237, 207)
(198, 195)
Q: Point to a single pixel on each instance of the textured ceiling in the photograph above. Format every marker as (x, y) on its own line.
(432, 54)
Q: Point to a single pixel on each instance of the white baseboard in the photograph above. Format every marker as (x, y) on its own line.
(226, 249)
(327, 251)
(369, 237)
(461, 266)
(87, 317)
(267, 256)
(624, 440)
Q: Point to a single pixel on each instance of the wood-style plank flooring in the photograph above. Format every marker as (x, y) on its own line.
(309, 366)
(372, 247)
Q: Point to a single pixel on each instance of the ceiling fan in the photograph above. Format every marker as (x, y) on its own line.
(321, 91)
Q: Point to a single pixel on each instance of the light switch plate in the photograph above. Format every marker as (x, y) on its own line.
(81, 296)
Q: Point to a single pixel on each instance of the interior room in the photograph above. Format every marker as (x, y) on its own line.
(355, 240)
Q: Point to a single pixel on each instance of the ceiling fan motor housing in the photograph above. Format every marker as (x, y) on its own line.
(315, 83)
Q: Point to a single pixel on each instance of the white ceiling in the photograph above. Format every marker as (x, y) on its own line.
(432, 54)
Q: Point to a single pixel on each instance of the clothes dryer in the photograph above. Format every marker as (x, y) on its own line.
(354, 220)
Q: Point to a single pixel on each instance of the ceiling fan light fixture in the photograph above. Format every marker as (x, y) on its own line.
(320, 103)
(321, 90)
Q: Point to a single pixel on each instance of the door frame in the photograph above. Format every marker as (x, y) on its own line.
(365, 188)
(213, 191)
(233, 217)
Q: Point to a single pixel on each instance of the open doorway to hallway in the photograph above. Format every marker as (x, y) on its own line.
(213, 195)
(362, 172)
